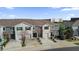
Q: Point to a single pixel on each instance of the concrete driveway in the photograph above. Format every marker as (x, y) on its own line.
(33, 45)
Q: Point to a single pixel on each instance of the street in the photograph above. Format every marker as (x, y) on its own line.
(76, 48)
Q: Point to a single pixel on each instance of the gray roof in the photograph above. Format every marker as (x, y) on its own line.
(76, 23)
(13, 22)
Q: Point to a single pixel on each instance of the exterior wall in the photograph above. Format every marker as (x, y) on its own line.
(28, 33)
(46, 32)
(75, 29)
(55, 32)
(1, 32)
(55, 29)
(37, 29)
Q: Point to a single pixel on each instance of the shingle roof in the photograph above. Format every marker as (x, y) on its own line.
(76, 23)
(75, 19)
(13, 22)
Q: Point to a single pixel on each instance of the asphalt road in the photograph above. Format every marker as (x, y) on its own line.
(76, 48)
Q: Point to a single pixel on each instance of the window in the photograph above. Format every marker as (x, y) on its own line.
(46, 27)
(4, 29)
(56, 25)
(34, 27)
(19, 28)
(8, 28)
(27, 28)
(52, 26)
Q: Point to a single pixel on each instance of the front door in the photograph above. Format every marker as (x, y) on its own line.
(12, 36)
(34, 34)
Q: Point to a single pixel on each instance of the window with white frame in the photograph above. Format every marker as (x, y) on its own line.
(27, 28)
(19, 28)
(46, 27)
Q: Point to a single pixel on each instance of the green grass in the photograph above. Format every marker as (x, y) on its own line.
(70, 40)
(76, 43)
(73, 41)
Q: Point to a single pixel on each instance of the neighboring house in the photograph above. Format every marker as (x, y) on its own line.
(37, 31)
(55, 28)
(38, 27)
(67, 23)
(74, 19)
(50, 29)
(1, 32)
(75, 27)
(46, 31)
(74, 23)
(23, 28)
(12, 28)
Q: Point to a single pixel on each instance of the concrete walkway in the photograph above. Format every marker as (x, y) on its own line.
(33, 45)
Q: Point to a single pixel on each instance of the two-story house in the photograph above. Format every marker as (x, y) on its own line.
(16, 27)
(75, 27)
(50, 29)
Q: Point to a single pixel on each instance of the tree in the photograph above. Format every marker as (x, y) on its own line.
(24, 35)
(68, 32)
(23, 40)
(65, 32)
(61, 31)
(6, 36)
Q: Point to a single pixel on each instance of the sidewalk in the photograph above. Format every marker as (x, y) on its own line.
(33, 45)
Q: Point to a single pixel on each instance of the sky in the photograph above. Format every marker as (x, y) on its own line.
(64, 13)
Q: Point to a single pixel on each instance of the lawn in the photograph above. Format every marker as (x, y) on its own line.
(73, 41)
(76, 43)
(70, 40)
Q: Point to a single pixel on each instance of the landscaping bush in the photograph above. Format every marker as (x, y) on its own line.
(23, 41)
(6, 38)
(39, 40)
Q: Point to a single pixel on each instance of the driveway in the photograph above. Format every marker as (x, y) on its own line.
(33, 45)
